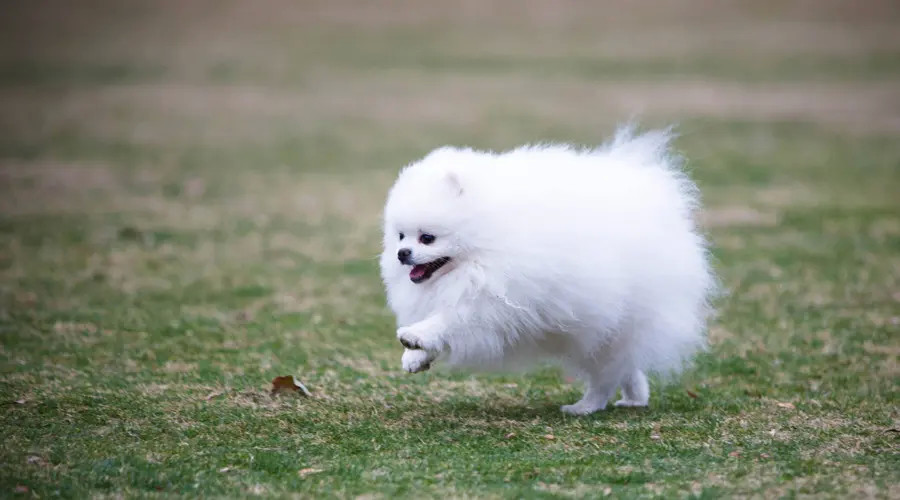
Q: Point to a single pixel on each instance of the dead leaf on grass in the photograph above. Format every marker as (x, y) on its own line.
(510, 435)
(550, 437)
(788, 406)
(286, 384)
(692, 394)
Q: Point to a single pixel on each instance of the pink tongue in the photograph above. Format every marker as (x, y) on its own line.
(417, 272)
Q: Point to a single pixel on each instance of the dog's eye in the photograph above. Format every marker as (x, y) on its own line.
(426, 239)
(402, 236)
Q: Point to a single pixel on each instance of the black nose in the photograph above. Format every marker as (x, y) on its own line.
(404, 254)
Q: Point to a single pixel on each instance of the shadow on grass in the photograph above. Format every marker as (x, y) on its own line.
(543, 412)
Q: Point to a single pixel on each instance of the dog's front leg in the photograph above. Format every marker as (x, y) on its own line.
(425, 335)
(416, 360)
(423, 342)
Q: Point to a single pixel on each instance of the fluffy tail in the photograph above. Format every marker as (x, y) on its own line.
(670, 335)
(650, 147)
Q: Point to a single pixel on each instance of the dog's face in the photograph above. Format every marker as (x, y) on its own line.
(424, 252)
(424, 217)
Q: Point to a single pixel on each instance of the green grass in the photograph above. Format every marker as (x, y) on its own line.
(185, 216)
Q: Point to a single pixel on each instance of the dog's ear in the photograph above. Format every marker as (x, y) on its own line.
(453, 180)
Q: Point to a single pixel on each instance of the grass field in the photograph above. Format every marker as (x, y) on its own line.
(189, 207)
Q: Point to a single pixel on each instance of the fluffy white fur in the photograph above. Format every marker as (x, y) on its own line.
(588, 257)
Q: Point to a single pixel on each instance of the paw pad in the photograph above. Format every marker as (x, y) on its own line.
(409, 344)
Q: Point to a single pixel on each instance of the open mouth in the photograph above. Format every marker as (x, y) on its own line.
(421, 272)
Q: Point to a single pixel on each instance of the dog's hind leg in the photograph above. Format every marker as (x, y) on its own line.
(635, 390)
(599, 388)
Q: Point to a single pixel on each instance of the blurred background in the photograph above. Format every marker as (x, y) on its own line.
(130, 106)
(186, 120)
(337, 85)
(334, 86)
(190, 195)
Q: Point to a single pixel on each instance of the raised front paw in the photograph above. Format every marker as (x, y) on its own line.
(416, 360)
(409, 339)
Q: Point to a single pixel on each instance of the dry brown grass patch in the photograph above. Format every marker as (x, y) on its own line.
(214, 115)
(53, 188)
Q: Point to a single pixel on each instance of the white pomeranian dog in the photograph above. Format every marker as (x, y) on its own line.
(590, 257)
